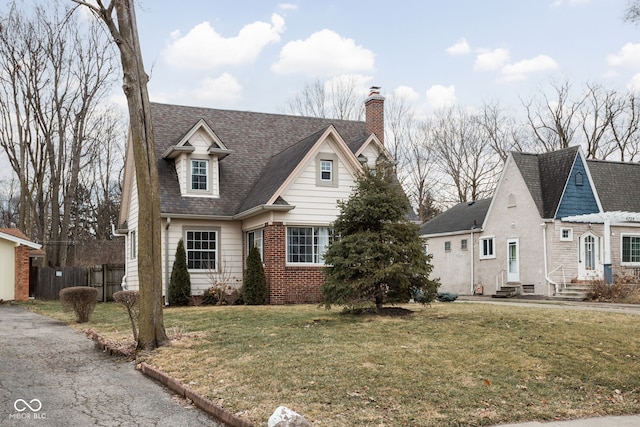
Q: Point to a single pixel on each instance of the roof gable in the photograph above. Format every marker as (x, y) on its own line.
(253, 139)
(546, 176)
(579, 195)
(184, 145)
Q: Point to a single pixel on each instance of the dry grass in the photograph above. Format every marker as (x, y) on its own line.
(446, 365)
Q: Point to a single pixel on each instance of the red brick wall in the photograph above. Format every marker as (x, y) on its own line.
(374, 112)
(22, 273)
(293, 284)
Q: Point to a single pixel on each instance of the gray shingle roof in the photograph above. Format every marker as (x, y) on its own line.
(263, 147)
(463, 216)
(546, 175)
(618, 185)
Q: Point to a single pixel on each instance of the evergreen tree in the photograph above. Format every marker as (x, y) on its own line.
(180, 283)
(254, 289)
(378, 255)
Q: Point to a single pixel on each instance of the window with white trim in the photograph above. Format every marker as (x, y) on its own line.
(463, 244)
(566, 234)
(255, 238)
(326, 170)
(200, 174)
(447, 246)
(630, 249)
(202, 249)
(487, 247)
(307, 244)
(134, 245)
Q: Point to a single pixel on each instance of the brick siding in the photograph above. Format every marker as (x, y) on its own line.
(21, 273)
(288, 284)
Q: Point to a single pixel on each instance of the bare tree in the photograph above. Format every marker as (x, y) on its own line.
(338, 98)
(632, 13)
(463, 155)
(502, 131)
(553, 122)
(9, 201)
(55, 71)
(125, 34)
(625, 126)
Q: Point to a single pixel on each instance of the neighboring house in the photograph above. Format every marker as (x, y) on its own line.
(15, 252)
(230, 180)
(554, 218)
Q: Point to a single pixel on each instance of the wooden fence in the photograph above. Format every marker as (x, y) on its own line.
(48, 281)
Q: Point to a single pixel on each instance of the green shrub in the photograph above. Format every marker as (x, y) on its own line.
(81, 299)
(446, 296)
(180, 282)
(254, 288)
(130, 300)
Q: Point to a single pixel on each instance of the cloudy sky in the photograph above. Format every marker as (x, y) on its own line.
(255, 54)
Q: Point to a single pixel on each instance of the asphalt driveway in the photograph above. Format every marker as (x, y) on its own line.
(52, 375)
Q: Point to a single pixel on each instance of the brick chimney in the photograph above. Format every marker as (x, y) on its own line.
(374, 113)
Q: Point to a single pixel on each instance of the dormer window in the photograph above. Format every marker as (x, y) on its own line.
(326, 170)
(200, 175)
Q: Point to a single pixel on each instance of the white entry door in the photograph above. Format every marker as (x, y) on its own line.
(513, 261)
(589, 261)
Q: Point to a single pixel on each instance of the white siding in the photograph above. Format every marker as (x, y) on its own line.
(7, 267)
(230, 256)
(314, 204)
(132, 225)
(371, 153)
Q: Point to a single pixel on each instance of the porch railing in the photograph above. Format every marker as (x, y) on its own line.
(555, 284)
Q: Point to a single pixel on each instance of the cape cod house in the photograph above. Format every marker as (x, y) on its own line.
(230, 180)
(554, 218)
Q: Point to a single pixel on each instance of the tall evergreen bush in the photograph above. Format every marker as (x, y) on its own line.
(180, 283)
(254, 289)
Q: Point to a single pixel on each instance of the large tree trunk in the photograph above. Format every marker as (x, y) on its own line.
(152, 333)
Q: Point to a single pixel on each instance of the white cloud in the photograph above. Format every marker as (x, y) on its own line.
(461, 47)
(407, 93)
(634, 83)
(628, 55)
(323, 53)
(287, 6)
(439, 96)
(489, 60)
(222, 89)
(521, 70)
(204, 48)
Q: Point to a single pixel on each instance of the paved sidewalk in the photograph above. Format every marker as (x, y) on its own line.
(52, 375)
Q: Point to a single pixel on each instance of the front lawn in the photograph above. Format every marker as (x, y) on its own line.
(449, 364)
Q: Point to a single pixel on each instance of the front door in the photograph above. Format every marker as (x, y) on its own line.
(513, 261)
(589, 262)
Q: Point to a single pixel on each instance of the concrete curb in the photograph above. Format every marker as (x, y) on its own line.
(200, 401)
(174, 385)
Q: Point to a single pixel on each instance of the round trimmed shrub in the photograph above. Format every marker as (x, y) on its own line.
(81, 299)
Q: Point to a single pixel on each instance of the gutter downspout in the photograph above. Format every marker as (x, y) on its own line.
(472, 264)
(166, 261)
(544, 252)
(608, 274)
(123, 283)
